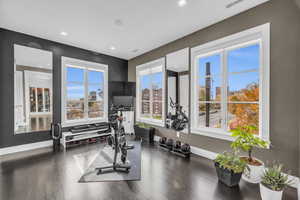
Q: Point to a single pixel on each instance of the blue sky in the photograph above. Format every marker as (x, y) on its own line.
(155, 78)
(75, 79)
(239, 60)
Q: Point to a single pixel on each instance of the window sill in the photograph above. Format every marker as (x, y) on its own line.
(219, 134)
(152, 122)
(82, 122)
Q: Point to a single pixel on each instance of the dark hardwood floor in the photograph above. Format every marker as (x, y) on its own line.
(43, 175)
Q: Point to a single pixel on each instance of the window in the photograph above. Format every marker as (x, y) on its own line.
(85, 96)
(150, 92)
(230, 84)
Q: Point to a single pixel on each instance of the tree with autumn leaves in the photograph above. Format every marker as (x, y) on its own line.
(245, 113)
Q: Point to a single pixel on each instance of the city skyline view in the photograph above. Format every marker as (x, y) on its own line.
(151, 82)
(242, 90)
(75, 82)
(242, 69)
(76, 93)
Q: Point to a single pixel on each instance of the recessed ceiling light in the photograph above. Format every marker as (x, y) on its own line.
(181, 3)
(112, 48)
(135, 50)
(63, 33)
(118, 22)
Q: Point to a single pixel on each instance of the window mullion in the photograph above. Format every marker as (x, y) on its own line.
(262, 84)
(65, 96)
(85, 80)
(151, 94)
(196, 95)
(224, 90)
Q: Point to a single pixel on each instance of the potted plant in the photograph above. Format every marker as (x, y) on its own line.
(246, 140)
(273, 183)
(229, 168)
(144, 131)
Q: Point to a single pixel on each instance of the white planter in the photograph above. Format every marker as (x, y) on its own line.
(268, 194)
(298, 190)
(255, 173)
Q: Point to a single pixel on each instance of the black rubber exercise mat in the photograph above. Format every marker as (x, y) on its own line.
(105, 157)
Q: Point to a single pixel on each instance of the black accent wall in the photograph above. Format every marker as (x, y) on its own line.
(118, 71)
(121, 88)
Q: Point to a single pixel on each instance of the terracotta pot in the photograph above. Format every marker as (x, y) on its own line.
(268, 194)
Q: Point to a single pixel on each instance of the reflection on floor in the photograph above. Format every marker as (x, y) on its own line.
(43, 175)
(37, 123)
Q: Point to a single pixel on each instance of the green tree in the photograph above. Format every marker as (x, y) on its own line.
(247, 141)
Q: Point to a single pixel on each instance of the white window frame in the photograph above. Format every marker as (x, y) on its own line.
(76, 63)
(259, 34)
(156, 63)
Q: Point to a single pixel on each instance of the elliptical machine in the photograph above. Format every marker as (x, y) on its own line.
(179, 120)
(118, 142)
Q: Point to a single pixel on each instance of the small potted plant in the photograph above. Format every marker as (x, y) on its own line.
(229, 168)
(144, 131)
(246, 140)
(273, 183)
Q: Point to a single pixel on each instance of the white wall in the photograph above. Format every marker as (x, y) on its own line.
(184, 93)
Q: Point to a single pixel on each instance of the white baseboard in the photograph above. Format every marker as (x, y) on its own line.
(25, 147)
(203, 153)
(212, 155)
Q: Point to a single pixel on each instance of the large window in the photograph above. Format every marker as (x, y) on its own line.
(230, 84)
(150, 92)
(84, 92)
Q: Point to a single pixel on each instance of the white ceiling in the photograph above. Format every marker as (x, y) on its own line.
(91, 24)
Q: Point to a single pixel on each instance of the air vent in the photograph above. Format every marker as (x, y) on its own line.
(233, 3)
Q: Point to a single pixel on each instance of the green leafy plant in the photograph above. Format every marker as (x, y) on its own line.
(247, 141)
(274, 179)
(231, 161)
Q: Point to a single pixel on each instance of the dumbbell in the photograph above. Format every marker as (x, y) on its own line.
(177, 145)
(163, 140)
(186, 148)
(170, 143)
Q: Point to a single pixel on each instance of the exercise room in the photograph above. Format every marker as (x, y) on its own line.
(150, 100)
